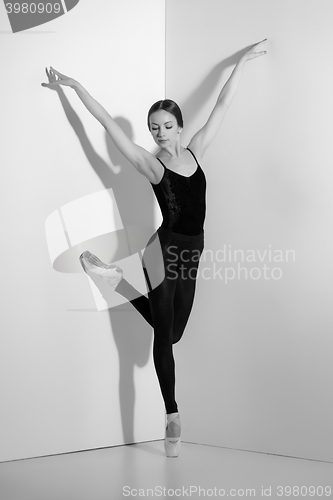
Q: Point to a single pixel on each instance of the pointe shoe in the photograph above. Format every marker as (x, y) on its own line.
(172, 444)
(111, 273)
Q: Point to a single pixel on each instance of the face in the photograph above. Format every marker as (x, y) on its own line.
(164, 128)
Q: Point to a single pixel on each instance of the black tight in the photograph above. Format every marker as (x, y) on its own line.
(171, 262)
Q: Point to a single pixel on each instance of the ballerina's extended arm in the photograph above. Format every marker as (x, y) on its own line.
(204, 137)
(140, 158)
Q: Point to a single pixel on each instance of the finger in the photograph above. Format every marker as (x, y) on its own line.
(259, 43)
(51, 76)
(262, 41)
(54, 76)
(257, 54)
(60, 75)
(51, 84)
(54, 71)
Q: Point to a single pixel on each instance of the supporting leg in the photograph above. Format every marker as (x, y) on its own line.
(184, 297)
(162, 298)
(186, 285)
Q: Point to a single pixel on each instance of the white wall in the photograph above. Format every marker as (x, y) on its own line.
(254, 366)
(73, 377)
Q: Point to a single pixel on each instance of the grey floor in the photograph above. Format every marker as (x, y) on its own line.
(143, 471)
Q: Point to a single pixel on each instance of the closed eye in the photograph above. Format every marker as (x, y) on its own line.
(156, 128)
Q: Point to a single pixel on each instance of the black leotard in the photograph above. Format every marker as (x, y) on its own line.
(182, 200)
(171, 282)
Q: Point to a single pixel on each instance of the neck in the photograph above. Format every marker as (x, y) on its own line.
(176, 150)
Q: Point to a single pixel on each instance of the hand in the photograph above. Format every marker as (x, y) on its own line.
(62, 79)
(251, 53)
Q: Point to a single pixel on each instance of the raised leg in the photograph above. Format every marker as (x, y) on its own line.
(153, 267)
(139, 301)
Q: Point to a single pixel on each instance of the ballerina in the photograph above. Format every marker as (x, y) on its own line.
(179, 183)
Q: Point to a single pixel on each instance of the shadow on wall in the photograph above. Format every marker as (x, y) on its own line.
(135, 201)
(200, 96)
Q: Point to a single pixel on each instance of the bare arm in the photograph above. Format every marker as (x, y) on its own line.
(140, 158)
(205, 136)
